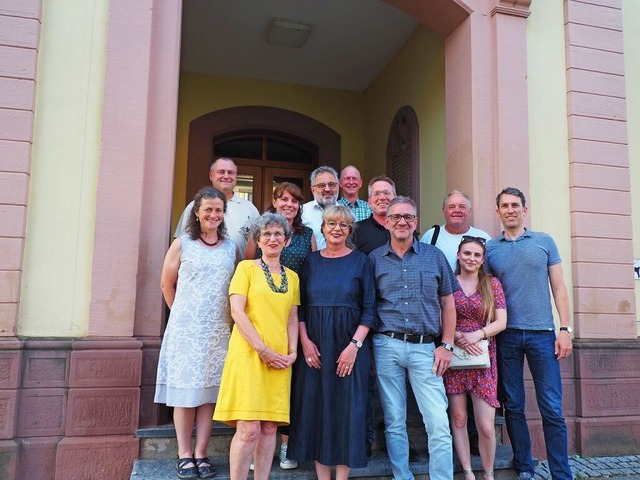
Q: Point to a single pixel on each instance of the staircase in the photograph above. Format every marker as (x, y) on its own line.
(159, 450)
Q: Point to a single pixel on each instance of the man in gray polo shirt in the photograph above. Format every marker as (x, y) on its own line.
(527, 263)
(414, 290)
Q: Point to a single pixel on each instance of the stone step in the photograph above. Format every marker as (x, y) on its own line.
(377, 468)
(160, 442)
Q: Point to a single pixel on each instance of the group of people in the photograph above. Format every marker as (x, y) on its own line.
(334, 297)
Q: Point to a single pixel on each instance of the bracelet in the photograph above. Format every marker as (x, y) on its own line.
(263, 350)
(293, 351)
(484, 334)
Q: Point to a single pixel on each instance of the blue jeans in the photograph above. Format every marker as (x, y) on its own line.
(395, 360)
(538, 346)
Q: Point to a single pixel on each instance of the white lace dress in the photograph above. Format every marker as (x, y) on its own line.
(195, 342)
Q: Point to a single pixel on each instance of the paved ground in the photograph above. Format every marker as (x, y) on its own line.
(619, 468)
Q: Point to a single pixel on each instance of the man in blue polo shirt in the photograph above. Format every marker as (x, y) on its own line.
(526, 263)
(414, 299)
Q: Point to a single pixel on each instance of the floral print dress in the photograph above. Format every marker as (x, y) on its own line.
(483, 382)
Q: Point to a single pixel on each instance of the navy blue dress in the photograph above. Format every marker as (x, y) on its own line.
(328, 412)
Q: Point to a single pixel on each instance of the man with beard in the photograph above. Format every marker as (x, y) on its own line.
(324, 187)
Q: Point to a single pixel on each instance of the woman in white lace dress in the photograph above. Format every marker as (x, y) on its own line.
(195, 282)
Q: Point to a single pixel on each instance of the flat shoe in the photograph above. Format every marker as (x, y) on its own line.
(184, 472)
(205, 471)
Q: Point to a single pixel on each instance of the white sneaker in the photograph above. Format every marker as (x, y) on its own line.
(285, 463)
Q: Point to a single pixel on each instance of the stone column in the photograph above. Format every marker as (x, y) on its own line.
(607, 349)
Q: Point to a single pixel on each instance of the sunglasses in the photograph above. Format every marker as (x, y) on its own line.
(468, 238)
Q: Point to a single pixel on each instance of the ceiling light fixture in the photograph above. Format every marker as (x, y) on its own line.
(288, 33)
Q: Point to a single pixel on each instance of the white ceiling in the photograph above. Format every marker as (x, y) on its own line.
(350, 42)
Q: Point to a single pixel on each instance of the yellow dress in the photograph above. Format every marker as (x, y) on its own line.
(249, 390)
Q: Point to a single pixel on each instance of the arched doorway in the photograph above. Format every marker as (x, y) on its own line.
(265, 159)
(270, 145)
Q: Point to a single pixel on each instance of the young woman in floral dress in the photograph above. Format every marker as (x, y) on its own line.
(480, 314)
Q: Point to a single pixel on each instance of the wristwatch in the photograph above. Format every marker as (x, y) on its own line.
(357, 343)
(447, 346)
(566, 329)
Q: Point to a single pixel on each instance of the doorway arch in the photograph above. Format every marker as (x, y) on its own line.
(203, 130)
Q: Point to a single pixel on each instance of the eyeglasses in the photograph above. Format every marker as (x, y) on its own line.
(322, 186)
(380, 193)
(342, 226)
(268, 235)
(469, 238)
(395, 218)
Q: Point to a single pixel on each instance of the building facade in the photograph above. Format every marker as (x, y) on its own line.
(99, 150)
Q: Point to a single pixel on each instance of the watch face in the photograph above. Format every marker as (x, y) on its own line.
(567, 329)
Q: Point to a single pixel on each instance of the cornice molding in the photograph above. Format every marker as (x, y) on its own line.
(517, 8)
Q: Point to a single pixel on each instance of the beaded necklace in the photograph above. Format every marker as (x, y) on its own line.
(210, 244)
(284, 286)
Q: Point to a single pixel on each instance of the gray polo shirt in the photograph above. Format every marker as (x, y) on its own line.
(408, 289)
(522, 266)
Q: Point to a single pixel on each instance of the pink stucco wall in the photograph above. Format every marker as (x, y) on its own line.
(604, 299)
(19, 37)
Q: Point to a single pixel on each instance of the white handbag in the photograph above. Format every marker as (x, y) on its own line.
(463, 359)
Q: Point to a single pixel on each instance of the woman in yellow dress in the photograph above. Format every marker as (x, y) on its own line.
(256, 380)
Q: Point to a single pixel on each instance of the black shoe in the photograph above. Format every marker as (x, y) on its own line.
(205, 469)
(369, 450)
(185, 472)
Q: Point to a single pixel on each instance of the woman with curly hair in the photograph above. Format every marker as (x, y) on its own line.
(195, 280)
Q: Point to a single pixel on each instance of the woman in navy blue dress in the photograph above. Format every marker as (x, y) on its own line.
(330, 380)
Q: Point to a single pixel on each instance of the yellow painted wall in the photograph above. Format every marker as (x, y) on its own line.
(548, 134)
(414, 77)
(631, 31)
(340, 110)
(56, 280)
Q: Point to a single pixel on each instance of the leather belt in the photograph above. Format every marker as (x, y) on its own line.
(410, 337)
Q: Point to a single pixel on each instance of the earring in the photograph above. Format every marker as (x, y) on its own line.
(197, 219)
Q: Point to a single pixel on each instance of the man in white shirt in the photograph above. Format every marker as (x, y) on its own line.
(240, 213)
(324, 187)
(456, 209)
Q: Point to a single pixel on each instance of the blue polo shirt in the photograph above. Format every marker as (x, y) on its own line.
(522, 266)
(408, 289)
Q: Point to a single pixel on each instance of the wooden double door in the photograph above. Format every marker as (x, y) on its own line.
(257, 182)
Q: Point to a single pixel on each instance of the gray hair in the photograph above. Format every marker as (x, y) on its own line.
(455, 192)
(401, 199)
(226, 159)
(323, 169)
(267, 219)
(382, 178)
